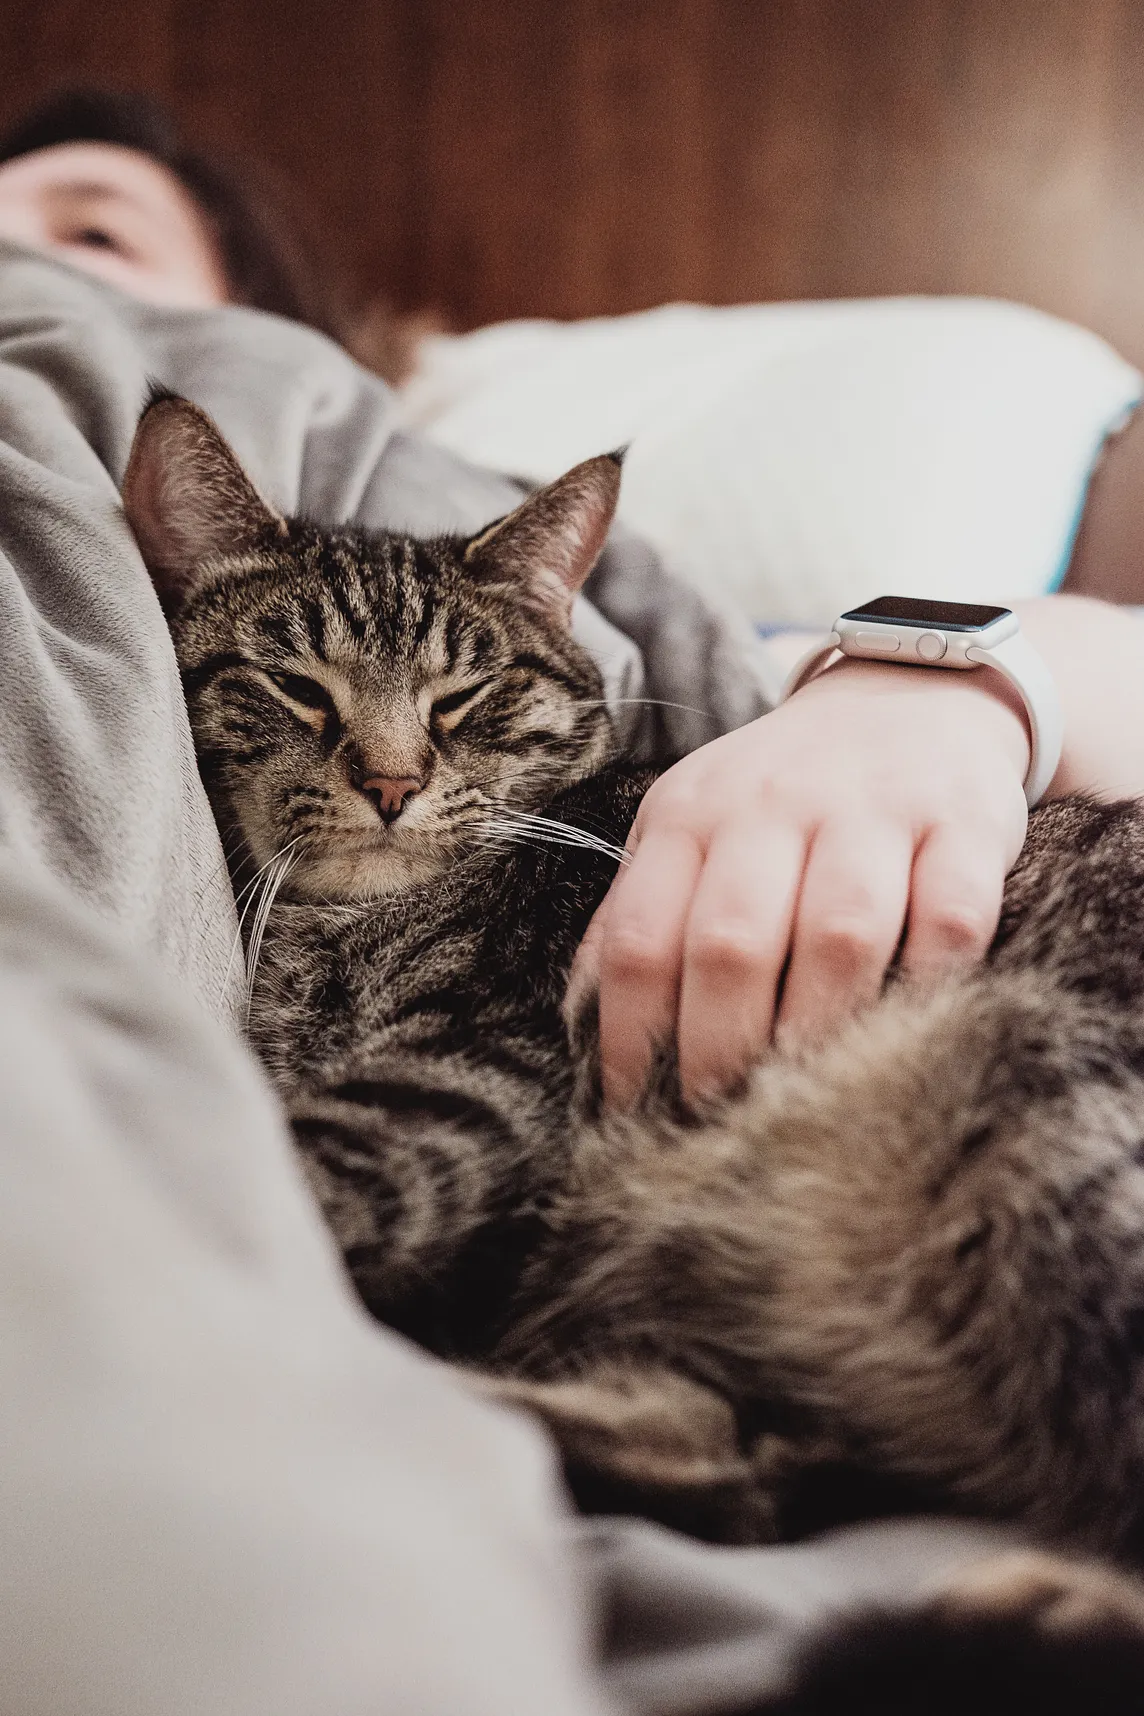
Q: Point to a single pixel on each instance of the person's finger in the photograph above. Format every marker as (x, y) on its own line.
(848, 923)
(735, 945)
(640, 952)
(955, 900)
(585, 973)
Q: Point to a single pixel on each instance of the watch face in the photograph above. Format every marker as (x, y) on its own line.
(947, 616)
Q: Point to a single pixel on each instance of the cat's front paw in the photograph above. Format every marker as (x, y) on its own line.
(1021, 1631)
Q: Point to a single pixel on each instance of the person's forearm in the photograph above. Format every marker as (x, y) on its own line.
(1096, 654)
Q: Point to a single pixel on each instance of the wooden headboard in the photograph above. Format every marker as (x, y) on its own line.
(499, 158)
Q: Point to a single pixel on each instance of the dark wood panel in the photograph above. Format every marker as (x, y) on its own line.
(43, 43)
(500, 157)
(323, 105)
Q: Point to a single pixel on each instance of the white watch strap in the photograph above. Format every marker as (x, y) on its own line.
(1027, 673)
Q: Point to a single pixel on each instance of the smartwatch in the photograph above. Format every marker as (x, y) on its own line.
(959, 635)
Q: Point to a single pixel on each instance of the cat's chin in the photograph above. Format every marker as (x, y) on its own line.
(369, 875)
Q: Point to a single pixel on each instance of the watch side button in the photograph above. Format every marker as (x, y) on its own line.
(878, 643)
(931, 646)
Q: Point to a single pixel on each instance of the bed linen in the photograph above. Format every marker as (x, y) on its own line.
(791, 459)
(221, 1487)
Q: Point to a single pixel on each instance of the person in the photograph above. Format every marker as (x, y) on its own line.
(223, 1487)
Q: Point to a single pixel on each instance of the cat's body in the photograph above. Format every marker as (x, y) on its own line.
(918, 1252)
(915, 1255)
(419, 1045)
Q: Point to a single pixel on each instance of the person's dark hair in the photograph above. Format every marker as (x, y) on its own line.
(268, 263)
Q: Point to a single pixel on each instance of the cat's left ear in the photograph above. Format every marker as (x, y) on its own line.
(548, 546)
(188, 499)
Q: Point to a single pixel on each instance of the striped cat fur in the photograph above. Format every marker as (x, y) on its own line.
(906, 1269)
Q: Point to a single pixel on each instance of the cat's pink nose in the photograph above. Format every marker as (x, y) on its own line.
(390, 796)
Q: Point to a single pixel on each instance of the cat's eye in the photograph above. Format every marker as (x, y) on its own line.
(450, 709)
(305, 691)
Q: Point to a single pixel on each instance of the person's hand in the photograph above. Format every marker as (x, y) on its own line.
(773, 872)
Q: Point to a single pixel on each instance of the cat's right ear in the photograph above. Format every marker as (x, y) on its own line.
(545, 549)
(187, 498)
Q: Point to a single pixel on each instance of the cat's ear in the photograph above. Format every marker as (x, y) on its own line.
(187, 498)
(548, 546)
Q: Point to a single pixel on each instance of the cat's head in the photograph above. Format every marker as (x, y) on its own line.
(368, 704)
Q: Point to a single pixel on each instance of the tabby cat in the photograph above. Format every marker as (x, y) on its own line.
(914, 1256)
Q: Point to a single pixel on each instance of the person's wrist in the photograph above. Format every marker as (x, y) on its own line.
(985, 695)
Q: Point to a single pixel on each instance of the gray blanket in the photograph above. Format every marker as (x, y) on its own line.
(222, 1489)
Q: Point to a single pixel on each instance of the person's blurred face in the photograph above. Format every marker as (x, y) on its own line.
(115, 213)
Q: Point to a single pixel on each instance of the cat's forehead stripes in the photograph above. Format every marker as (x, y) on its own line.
(348, 594)
(362, 616)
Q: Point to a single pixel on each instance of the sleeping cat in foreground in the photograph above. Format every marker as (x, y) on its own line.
(914, 1256)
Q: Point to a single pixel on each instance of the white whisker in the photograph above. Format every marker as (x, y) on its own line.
(651, 702)
(247, 892)
(524, 828)
(282, 866)
(236, 944)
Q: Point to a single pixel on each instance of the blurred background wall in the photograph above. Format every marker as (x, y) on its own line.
(496, 158)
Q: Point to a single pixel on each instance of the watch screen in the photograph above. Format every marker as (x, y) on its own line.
(909, 611)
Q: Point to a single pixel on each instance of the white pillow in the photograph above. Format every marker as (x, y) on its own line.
(796, 459)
